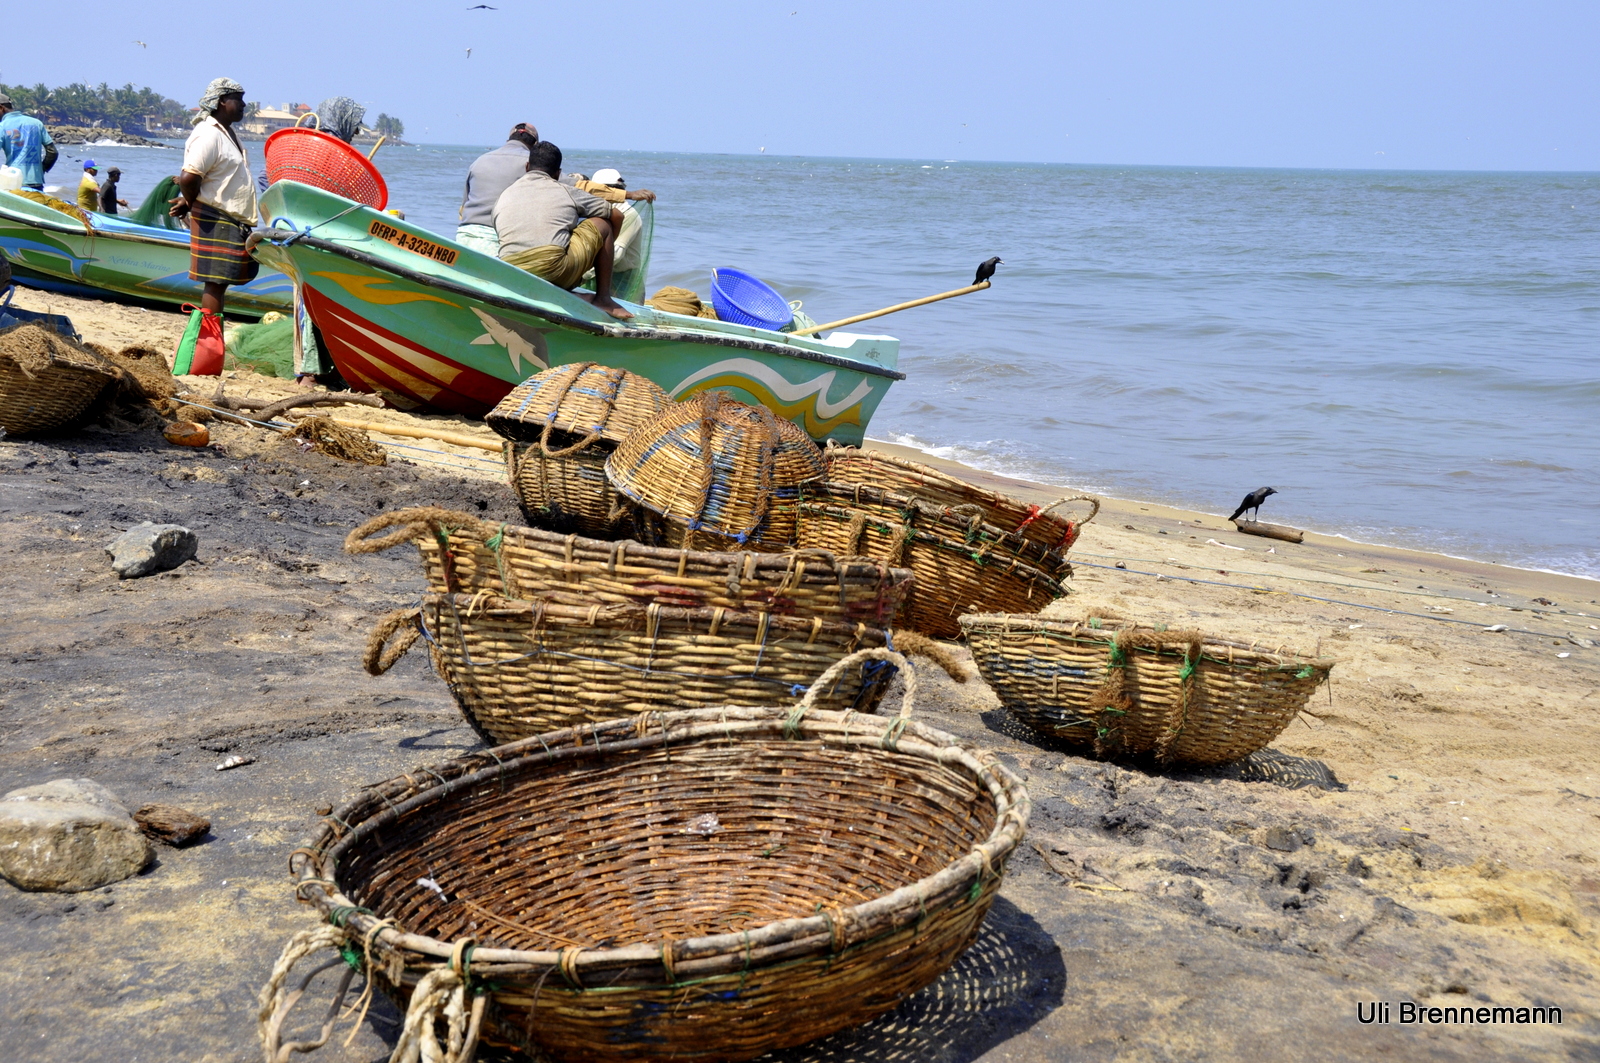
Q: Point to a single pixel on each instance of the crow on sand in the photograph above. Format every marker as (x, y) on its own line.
(986, 269)
(1253, 501)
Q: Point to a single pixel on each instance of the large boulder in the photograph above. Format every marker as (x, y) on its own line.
(68, 835)
(147, 548)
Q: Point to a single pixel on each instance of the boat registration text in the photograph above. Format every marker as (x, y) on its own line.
(414, 244)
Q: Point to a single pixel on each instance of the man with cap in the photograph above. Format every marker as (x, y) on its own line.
(491, 174)
(89, 188)
(607, 184)
(108, 192)
(26, 143)
(218, 195)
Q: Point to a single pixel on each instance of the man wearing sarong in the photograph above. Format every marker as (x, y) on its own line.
(217, 194)
(557, 232)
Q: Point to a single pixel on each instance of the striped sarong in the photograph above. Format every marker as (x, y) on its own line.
(216, 247)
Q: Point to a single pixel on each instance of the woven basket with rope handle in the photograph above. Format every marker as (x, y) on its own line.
(710, 884)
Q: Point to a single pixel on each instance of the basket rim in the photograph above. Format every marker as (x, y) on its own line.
(849, 495)
(1284, 657)
(312, 865)
(839, 452)
(366, 164)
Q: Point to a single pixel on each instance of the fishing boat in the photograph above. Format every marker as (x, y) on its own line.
(62, 248)
(428, 323)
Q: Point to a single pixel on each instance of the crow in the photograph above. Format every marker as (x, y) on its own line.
(1253, 501)
(986, 269)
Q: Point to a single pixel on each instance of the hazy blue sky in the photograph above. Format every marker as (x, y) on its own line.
(1335, 83)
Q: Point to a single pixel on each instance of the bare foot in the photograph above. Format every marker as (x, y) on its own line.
(612, 307)
(305, 382)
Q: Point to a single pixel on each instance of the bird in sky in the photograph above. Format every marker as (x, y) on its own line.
(986, 269)
(469, 53)
(1253, 501)
(141, 44)
(482, 7)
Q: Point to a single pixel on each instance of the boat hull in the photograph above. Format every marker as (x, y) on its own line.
(431, 325)
(50, 250)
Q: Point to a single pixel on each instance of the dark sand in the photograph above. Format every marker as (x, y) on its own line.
(1431, 834)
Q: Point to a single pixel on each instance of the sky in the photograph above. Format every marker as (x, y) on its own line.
(1412, 84)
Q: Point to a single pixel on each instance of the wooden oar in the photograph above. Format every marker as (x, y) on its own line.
(891, 309)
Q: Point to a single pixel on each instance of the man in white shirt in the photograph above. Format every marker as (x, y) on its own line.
(217, 194)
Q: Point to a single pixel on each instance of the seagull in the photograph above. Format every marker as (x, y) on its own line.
(1253, 501)
(469, 53)
(141, 44)
(482, 7)
(986, 269)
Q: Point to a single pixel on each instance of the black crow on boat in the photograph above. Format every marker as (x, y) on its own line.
(1253, 501)
(986, 269)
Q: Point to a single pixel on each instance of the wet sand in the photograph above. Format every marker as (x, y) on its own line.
(1444, 798)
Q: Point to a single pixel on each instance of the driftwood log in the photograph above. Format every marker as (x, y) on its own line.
(168, 823)
(1271, 531)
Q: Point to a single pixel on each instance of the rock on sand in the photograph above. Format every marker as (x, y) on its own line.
(68, 835)
(148, 548)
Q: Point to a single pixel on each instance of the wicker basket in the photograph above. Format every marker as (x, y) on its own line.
(720, 467)
(1037, 524)
(46, 381)
(464, 554)
(562, 425)
(519, 668)
(961, 564)
(704, 885)
(1122, 690)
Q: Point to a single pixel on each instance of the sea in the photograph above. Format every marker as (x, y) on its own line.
(1410, 358)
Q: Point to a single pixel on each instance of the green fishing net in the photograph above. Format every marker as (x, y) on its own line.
(154, 210)
(268, 347)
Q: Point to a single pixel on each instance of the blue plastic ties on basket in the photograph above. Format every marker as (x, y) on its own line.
(746, 300)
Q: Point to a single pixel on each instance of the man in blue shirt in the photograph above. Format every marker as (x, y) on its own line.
(26, 143)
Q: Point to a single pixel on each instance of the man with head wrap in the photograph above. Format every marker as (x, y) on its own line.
(219, 198)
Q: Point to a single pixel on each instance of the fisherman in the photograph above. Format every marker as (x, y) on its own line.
(88, 187)
(108, 192)
(218, 195)
(26, 143)
(557, 232)
(490, 175)
(608, 184)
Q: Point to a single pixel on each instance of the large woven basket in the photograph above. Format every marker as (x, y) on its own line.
(46, 381)
(1037, 524)
(562, 425)
(705, 885)
(961, 564)
(1121, 690)
(462, 553)
(517, 668)
(720, 468)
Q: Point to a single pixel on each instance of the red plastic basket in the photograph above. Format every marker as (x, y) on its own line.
(326, 162)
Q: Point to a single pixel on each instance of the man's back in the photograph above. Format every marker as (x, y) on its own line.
(491, 174)
(23, 137)
(538, 211)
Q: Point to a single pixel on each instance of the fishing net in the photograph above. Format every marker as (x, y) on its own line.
(267, 347)
(341, 116)
(329, 437)
(157, 206)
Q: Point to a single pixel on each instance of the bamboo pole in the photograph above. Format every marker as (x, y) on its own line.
(376, 146)
(453, 438)
(890, 309)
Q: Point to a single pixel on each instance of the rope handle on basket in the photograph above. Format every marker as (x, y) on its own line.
(412, 524)
(839, 668)
(274, 1003)
(378, 658)
(1036, 512)
(579, 368)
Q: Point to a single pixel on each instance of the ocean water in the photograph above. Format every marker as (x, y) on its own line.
(1409, 358)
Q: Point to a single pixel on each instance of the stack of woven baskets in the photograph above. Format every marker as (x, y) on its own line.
(972, 550)
(534, 630)
(1120, 690)
(560, 427)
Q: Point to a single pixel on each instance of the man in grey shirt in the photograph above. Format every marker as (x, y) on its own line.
(491, 174)
(556, 231)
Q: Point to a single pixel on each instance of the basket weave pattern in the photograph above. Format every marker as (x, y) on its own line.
(1037, 524)
(463, 554)
(961, 564)
(705, 885)
(519, 668)
(1120, 690)
(719, 466)
(52, 390)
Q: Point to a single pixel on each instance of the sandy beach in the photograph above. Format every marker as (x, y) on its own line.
(1428, 831)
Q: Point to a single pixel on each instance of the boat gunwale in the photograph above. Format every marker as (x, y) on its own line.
(60, 223)
(288, 237)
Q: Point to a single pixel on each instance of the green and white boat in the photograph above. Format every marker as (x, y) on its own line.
(428, 323)
(84, 253)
